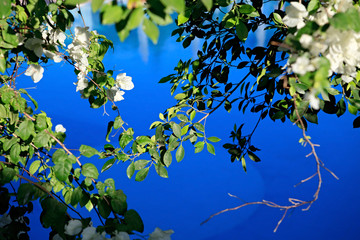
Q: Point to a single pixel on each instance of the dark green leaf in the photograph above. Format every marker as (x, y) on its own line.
(356, 123)
(130, 170)
(161, 170)
(108, 164)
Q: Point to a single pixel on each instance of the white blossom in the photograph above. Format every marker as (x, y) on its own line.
(90, 233)
(60, 128)
(53, 56)
(115, 94)
(5, 220)
(313, 100)
(159, 234)
(82, 82)
(82, 35)
(124, 82)
(35, 44)
(57, 237)
(295, 14)
(306, 40)
(35, 72)
(121, 236)
(302, 65)
(73, 227)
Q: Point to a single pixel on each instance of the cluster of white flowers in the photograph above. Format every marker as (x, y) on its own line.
(78, 51)
(122, 82)
(340, 47)
(74, 227)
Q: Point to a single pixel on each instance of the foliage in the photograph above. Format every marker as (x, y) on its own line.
(283, 81)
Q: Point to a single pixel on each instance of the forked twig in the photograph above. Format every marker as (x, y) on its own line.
(295, 203)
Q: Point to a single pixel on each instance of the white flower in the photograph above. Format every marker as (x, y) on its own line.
(73, 227)
(35, 71)
(90, 233)
(121, 236)
(115, 94)
(124, 82)
(295, 14)
(314, 101)
(159, 234)
(52, 56)
(302, 65)
(4, 220)
(60, 128)
(82, 35)
(306, 40)
(82, 82)
(57, 237)
(347, 78)
(321, 17)
(57, 36)
(35, 44)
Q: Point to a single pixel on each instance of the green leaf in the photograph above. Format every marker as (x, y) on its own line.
(7, 175)
(161, 170)
(199, 147)
(125, 139)
(130, 170)
(108, 164)
(180, 153)
(136, 17)
(41, 139)
(133, 221)
(210, 148)
(177, 130)
(111, 14)
(199, 127)
(32, 99)
(96, 4)
(88, 151)
(140, 164)
(167, 158)
(118, 202)
(141, 175)
(26, 129)
(118, 122)
(241, 30)
(352, 109)
(213, 139)
(3, 62)
(356, 123)
(62, 169)
(3, 113)
(208, 4)
(104, 208)
(89, 170)
(5, 8)
(34, 167)
(178, 5)
(182, 19)
(8, 143)
(253, 157)
(151, 30)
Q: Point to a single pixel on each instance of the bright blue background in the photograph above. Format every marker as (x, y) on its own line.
(198, 186)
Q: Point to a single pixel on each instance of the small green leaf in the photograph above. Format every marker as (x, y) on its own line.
(108, 164)
(88, 151)
(141, 175)
(136, 17)
(213, 139)
(34, 167)
(41, 139)
(118, 122)
(26, 129)
(130, 170)
(180, 153)
(167, 158)
(62, 169)
(161, 170)
(151, 30)
(199, 147)
(177, 130)
(89, 170)
(210, 148)
(241, 30)
(96, 4)
(208, 4)
(253, 157)
(140, 164)
(199, 127)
